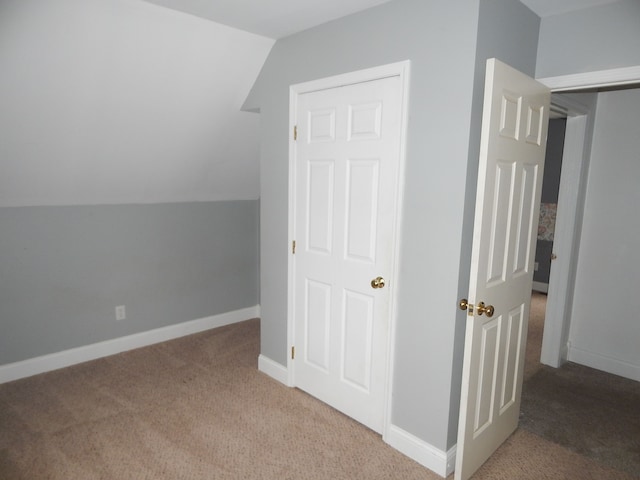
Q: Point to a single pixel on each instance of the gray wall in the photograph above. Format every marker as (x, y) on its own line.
(604, 327)
(592, 39)
(439, 37)
(602, 333)
(64, 269)
(122, 102)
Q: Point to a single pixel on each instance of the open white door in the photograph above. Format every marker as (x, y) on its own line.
(512, 151)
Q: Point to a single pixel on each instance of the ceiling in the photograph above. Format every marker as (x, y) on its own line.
(271, 18)
(280, 18)
(546, 8)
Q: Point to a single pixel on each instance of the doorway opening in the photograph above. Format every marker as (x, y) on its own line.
(558, 403)
(544, 255)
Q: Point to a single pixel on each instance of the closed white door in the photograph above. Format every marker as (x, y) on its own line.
(347, 157)
(513, 142)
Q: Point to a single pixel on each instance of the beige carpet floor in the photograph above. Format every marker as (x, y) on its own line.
(588, 411)
(534, 334)
(591, 412)
(197, 408)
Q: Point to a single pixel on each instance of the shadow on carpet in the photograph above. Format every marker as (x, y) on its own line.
(593, 413)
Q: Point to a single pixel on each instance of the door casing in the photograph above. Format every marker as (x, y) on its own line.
(570, 203)
(401, 70)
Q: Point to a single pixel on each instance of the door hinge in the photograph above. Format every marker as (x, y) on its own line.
(293, 353)
(293, 247)
(295, 132)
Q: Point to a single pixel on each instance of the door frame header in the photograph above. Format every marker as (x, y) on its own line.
(596, 79)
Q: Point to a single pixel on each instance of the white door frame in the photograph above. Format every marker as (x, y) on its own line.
(575, 166)
(402, 70)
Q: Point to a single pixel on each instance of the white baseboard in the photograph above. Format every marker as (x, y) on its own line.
(54, 361)
(604, 363)
(541, 287)
(425, 454)
(273, 369)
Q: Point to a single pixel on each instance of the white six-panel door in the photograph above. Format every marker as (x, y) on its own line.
(346, 178)
(512, 151)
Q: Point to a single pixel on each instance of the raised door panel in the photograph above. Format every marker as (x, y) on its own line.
(317, 324)
(500, 222)
(487, 375)
(365, 121)
(357, 335)
(319, 206)
(322, 125)
(511, 352)
(526, 220)
(362, 209)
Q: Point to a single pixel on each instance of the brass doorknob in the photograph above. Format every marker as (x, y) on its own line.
(463, 304)
(488, 309)
(377, 282)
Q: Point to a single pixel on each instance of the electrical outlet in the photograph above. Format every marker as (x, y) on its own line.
(121, 313)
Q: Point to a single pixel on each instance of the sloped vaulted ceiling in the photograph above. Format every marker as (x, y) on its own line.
(272, 18)
(123, 101)
(126, 101)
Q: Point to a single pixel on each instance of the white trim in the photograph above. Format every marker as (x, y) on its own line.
(54, 361)
(393, 300)
(273, 369)
(565, 246)
(399, 69)
(291, 270)
(604, 363)
(367, 75)
(425, 454)
(575, 165)
(540, 287)
(568, 105)
(600, 78)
